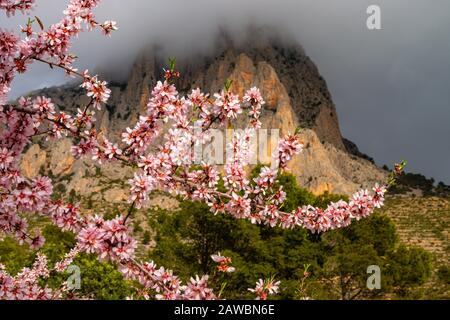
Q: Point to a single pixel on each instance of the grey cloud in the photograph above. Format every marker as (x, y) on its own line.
(391, 87)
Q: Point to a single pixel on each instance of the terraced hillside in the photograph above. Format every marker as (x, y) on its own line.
(425, 222)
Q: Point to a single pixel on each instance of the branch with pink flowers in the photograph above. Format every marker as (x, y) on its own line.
(172, 167)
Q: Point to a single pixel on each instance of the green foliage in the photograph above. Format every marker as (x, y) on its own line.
(351, 250)
(137, 227)
(14, 256)
(378, 231)
(409, 267)
(443, 274)
(146, 239)
(348, 263)
(409, 181)
(188, 237)
(295, 196)
(73, 196)
(99, 280)
(58, 190)
(90, 203)
(325, 199)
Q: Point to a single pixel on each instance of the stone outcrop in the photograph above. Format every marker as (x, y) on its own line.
(32, 161)
(325, 168)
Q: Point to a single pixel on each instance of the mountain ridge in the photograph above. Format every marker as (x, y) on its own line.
(296, 95)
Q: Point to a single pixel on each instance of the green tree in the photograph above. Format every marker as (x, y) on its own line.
(99, 280)
(408, 268)
(185, 240)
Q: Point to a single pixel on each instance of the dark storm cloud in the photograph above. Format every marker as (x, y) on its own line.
(391, 86)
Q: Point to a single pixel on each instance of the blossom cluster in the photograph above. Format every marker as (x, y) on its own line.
(110, 239)
(264, 288)
(24, 286)
(96, 89)
(164, 285)
(50, 45)
(255, 102)
(223, 263)
(22, 195)
(228, 105)
(11, 6)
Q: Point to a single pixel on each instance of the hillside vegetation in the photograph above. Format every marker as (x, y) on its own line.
(408, 239)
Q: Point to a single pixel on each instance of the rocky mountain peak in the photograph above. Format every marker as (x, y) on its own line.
(296, 95)
(261, 58)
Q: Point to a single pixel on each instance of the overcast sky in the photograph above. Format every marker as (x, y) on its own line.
(391, 87)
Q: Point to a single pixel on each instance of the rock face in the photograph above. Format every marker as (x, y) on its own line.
(325, 168)
(295, 94)
(32, 161)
